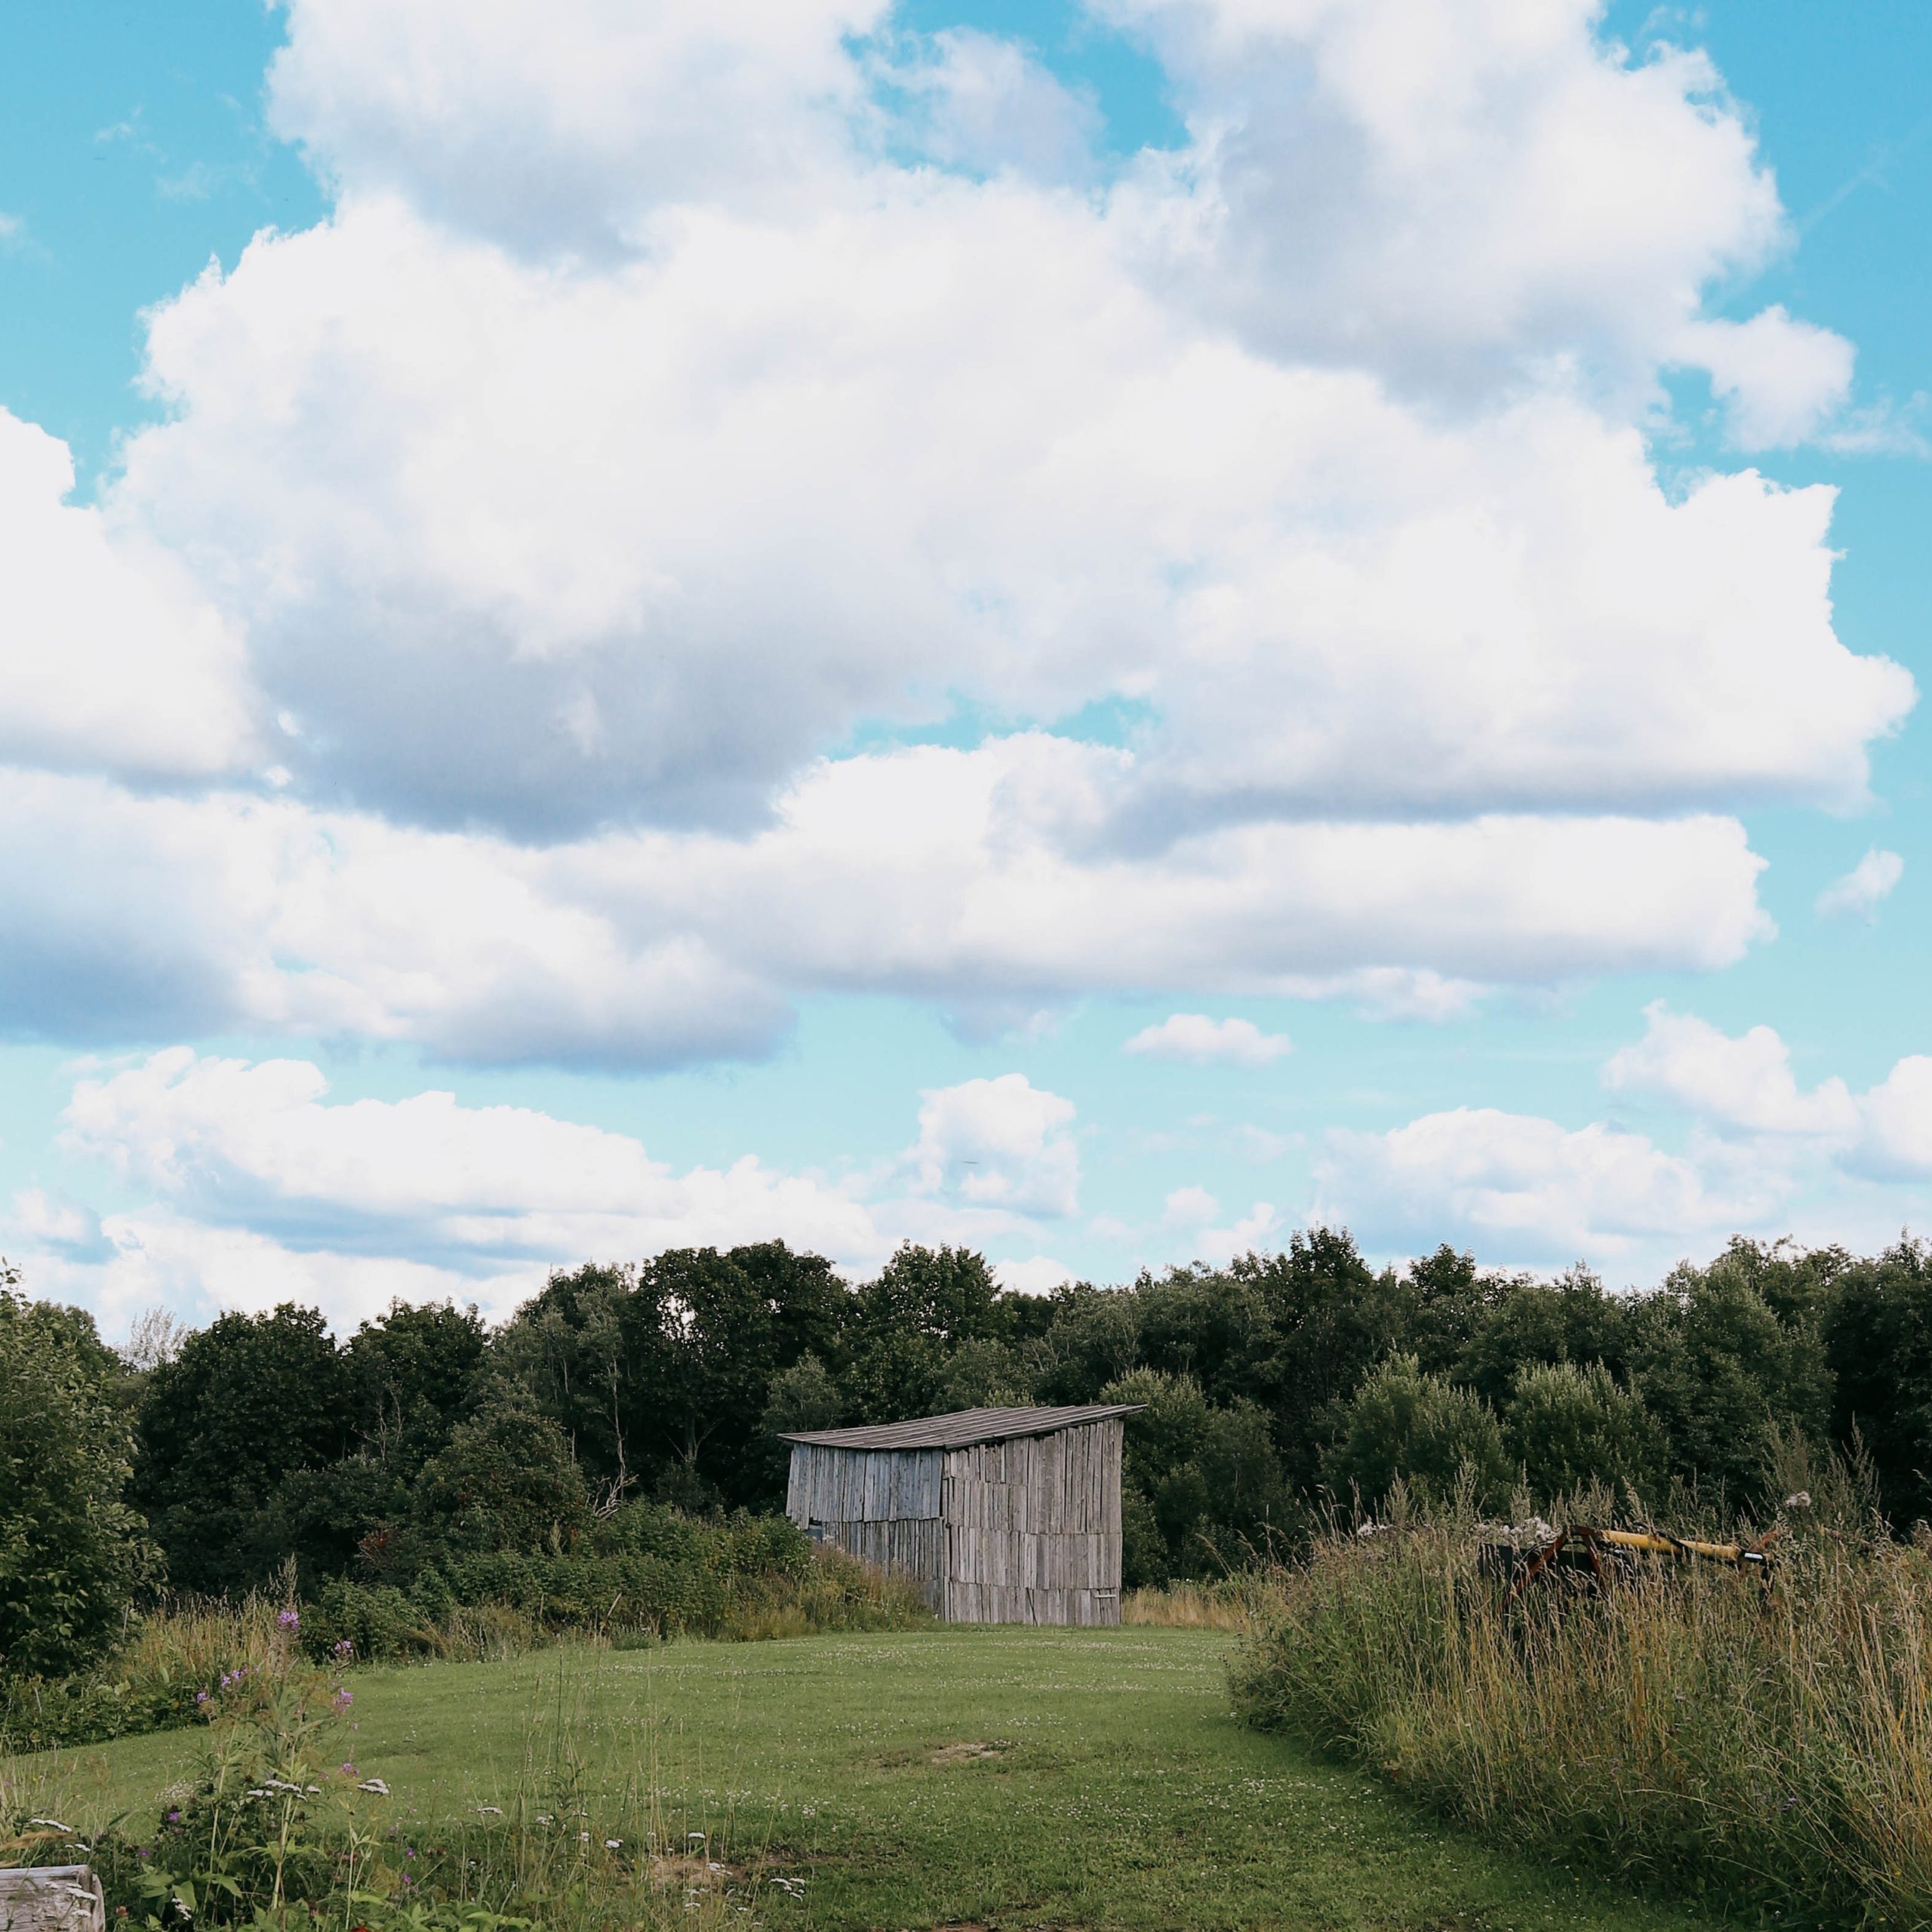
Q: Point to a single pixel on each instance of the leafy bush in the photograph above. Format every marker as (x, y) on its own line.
(1567, 1426)
(1418, 1429)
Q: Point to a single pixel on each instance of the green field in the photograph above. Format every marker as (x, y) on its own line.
(1002, 1777)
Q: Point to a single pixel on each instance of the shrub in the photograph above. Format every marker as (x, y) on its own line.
(1418, 1429)
(1568, 1426)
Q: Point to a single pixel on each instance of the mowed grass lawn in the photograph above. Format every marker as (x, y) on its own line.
(1003, 1777)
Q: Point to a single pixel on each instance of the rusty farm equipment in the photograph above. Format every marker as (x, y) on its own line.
(1582, 1555)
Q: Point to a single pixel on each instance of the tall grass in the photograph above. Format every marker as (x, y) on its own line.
(1226, 1605)
(1758, 1739)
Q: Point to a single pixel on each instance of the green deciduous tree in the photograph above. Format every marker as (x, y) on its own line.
(1403, 1422)
(505, 1480)
(1566, 1426)
(1726, 1376)
(73, 1553)
(1201, 1486)
(247, 1400)
(1878, 1345)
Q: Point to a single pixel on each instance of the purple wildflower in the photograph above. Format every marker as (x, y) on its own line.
(290, 1619)
(342, 1700)
(201, 1696)
(344, 1650)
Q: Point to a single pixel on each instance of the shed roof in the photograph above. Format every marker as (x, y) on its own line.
(963, 1428)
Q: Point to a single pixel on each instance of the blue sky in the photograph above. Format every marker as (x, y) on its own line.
(569, 589)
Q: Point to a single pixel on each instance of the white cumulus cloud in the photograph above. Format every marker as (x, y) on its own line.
(1858, 893)
(1782, 381)
(1522, 1189)
(1897, 1118)
(1744, 1083)
(678, 395)
(259, 1186)
(110, 656)
(1002, 1143)
(1195, 1038)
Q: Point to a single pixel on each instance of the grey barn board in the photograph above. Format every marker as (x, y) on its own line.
(999, 1515)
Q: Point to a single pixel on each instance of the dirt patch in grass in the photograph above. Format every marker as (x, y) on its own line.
(692, 1870)
(968, 1754)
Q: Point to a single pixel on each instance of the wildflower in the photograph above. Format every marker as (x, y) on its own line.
(175, 1817)
(201, 1696)
(348, 1770)
(290, 1619)
(613, 1844)
(342, 1700)
(375, 1785)
(344, 1649)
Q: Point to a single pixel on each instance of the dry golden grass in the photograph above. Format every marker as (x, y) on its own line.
(1224, 1606)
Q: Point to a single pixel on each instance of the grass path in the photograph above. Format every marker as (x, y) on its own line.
(998, 1777)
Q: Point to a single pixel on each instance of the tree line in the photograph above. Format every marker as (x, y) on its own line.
(1275, 1387)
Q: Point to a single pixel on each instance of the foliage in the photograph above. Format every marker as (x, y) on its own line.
(424, 1439)
(245, 1401)
(1724, 1370)
(1566, 1427)
(1202, 1489)
(72, 1553)
(1878, 1349)
(504, 1480)
(804, 1396)
(1421, 1430)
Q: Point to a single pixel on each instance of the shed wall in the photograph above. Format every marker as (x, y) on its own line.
(1027, 1531)
(881, 1505)
(1032, 1529)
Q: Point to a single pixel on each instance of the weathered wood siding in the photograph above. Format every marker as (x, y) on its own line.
(881, 1505)
(1023, 1531)
(1032, 1529)
(50, 1898)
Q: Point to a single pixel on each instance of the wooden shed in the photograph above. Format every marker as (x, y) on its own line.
(999, 1515)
